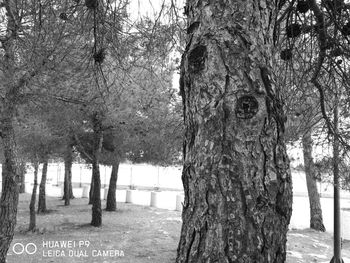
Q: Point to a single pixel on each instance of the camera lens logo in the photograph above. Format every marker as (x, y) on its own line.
(29, 248)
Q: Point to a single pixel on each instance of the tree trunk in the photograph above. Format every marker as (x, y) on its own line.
(12, 83)
(11, 88)
(111, 198)
(71, 196)
(9, 194)
(32, 221)
(42, 189)
(68, 162)
(96, 195)
(236, 175)
(316, 220)
(91, 192)
(3, 176)
(22, 177)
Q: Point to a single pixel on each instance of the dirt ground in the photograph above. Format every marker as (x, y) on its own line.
(133, 234)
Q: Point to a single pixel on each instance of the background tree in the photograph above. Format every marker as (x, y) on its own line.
(29, 45)
(37, 143)
(32, 217)
(304, 121)
(324, 26)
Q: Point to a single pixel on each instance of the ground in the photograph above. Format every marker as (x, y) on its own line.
(133, 234)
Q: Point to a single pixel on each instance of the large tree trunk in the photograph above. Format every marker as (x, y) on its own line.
(42, 189)
(22, 177)
(316, 220)
(67, 186)
(111, 204)
(96, 195)
(236, 175)
(32, 220)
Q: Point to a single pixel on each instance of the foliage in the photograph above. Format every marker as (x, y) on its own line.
(324, 168)
(315, 70)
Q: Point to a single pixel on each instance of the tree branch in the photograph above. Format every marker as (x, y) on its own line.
(81, 148)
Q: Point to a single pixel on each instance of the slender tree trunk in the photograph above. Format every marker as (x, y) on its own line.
(8, 108)
(96, 196)
(22, 177)
(9, 194)
(3, 176)
(316, 219)
(71, 196)
(68, 162)
(32, 220)
(42, 189)
(111, 196)
(236, 175)
(91, 192)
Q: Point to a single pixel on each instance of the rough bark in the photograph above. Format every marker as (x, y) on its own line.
(96, 195)
(32, 219)
(236, 175)
(42, 189)
(111, 204)
(67, 186)
(11, 89)
(316, 219)
(9, 194)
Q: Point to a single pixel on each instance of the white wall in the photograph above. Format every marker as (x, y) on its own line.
(143, 175)
(170, 177)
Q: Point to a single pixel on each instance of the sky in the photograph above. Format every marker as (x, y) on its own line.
(150, 8)
(144, 7)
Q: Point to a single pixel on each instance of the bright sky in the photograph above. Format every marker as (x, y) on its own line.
(150, 7)
(144, 7)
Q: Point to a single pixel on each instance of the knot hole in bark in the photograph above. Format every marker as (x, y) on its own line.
(197, 58)
(247, 107)
(192, 27)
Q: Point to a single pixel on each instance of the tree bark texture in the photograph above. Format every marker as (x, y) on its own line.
(111, 204)
(316, 219)
(42, 189)
(96, 195)
(236, 174)
(67, 186)
(9, 194)
(32, 219)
